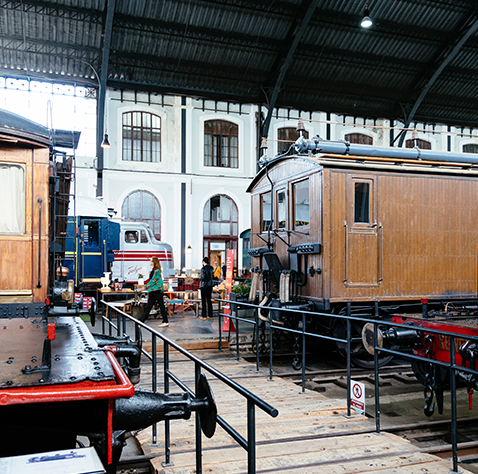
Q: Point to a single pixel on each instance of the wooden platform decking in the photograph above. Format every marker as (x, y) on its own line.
(310, 435)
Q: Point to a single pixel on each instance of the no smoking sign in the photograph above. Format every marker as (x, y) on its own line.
(357, 397)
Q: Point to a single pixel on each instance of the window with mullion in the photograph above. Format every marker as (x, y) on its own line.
(220, 144)
(141, 137)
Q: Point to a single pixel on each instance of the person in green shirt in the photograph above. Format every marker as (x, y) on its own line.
(155, 289)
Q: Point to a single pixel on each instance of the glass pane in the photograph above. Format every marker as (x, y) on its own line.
(226, 228)
(136, 119)
(156, 121)
(134, 205)
(234, 230)
(147, 120)
(206, 228)
(147, 206)
(215, 203)
(301, 203)
(127, 119)
(266, 212)
(234, 212)
(225, 208)
(12, 195)
(281, 209)
(90, 233)
(215, 228)
(144, 237)
(362, 202)
(131, 236)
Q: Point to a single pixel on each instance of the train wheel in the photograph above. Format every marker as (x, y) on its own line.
(359, 356)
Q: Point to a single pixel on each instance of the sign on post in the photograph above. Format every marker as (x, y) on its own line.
(357, 396)
(227, 323)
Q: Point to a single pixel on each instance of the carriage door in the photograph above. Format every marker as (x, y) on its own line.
(362, 250)
(91, 256)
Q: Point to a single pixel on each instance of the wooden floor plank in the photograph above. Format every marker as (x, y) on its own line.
(311, 433)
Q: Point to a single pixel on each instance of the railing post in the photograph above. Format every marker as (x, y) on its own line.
(167, 426)
(154, 380)
(453, 405)
(349, 369)
(251, 438)
(197, 375)
(271, 348)
(237, 327)
(377, 382)
(303, 352)
(220, 326)
(256, 317)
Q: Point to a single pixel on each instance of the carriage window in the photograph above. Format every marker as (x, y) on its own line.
(131, 236)
(90, 233)
(301, 203)
(144, 237)
(362, 202)
(266, 212)
(12, 196)
(281, 209)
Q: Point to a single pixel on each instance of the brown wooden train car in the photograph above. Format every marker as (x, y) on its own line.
(24, 218)
(386, 229)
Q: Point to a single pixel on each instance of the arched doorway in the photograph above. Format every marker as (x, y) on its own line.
(220, 224)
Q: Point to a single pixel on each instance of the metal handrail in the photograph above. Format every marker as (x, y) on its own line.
(253, 401)
(450, 365)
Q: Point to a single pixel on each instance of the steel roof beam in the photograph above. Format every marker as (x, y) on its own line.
(448, 58)
(287, 62)
(58, 10)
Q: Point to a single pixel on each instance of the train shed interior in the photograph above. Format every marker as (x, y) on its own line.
(407, 61)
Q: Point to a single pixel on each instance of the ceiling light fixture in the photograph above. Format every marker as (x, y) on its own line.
(366, 20)
(105, 143)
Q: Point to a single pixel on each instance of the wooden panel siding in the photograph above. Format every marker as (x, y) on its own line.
(20, 259)
(421, 240)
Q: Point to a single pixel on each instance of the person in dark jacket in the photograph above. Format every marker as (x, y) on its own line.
(207, 277)
(155, 289)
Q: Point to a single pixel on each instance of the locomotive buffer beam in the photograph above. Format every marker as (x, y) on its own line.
(389, 337)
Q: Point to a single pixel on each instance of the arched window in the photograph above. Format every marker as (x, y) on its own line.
(470, 148)
(422, 144)
(359, 138)
(221, 144)
(143, 206)
(141, 137)
(220, 228)
(287, 136)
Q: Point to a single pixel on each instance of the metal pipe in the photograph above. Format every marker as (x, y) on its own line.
(319, 145)
(39, 242)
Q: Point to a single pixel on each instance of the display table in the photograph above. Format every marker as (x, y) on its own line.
(109, 295)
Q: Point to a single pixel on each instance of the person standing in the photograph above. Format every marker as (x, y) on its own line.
(217, 273)
(207, 277)
(155, 289)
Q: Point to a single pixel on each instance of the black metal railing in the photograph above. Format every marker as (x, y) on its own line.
(117, 319)
(304, 315)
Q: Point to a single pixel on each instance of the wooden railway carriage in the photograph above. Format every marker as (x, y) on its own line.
(24, 228)
(367, 226)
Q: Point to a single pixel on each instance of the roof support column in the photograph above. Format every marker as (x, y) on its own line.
(100, 113)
